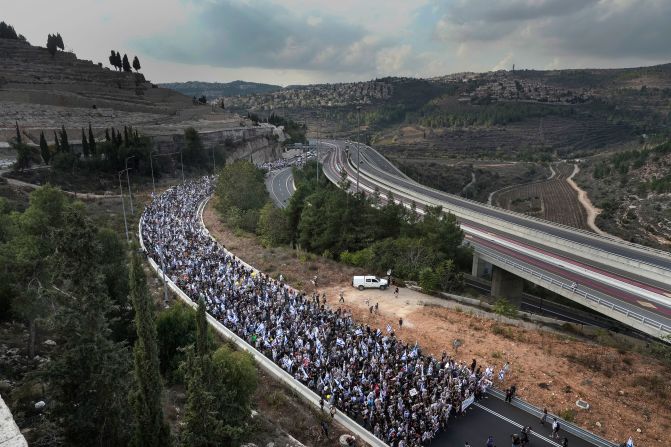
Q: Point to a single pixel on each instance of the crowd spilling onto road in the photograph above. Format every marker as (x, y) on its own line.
(403, 396)
(286, 162)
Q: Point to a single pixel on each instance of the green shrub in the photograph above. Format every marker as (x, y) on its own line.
(503, 307)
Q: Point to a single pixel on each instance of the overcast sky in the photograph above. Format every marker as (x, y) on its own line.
(308, 41)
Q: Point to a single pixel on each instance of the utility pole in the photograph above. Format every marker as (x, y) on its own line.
(214, 162)
(358, 145)
(181, 160)
(130, 193)
(151, 165)
(123, 206)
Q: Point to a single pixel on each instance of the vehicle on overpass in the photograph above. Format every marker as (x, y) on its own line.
(369, 282)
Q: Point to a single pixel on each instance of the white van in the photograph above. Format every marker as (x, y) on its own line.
(369, 282)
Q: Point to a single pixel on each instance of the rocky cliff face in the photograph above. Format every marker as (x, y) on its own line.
(258, 144)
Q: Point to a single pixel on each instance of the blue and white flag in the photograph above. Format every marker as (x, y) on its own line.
(502, 374)
(388, 328)
(630, 442)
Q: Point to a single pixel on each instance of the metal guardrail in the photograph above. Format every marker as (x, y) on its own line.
(629, 314)
(565, 425)
(536, 219)
(269, 366)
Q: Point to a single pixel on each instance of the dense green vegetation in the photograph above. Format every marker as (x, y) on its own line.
(367, 232)
(67, 279)
(495, 114)
(241, 193)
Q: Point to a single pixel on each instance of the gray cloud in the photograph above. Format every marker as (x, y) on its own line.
(252, 33)
(588, 28)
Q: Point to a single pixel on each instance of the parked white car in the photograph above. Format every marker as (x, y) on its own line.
(369, 282)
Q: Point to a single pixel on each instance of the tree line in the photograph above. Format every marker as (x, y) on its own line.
(109, 153)
(122, 63)
(71, 280)
(7, 32)
(296, 131)
(371, 232)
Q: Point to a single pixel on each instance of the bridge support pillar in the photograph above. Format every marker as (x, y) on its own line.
(481, 269)
(506, 285)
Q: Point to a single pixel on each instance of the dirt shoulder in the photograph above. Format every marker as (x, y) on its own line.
(626, 391)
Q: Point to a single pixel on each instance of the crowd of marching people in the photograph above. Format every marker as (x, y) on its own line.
(285, 162)
(401, 395)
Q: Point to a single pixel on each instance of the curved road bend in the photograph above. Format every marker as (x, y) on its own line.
(280, 185)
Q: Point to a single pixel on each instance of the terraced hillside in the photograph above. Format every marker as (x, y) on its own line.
(552, 199)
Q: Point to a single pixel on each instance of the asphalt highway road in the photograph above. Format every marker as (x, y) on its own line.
(492, 416)
(280, 185)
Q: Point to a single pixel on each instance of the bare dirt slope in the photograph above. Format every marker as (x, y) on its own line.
(627, 391)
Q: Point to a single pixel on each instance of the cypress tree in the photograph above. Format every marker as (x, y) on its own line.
(56, 143)
(65, 145)
(125, 63)
(107, 135)
(44, 149)
(150, 428)
(59, 41)
(85, 144)
(202, 346)
(136, 64)
(117, 58)
(92, 141)
(18, 133)
(125, 137)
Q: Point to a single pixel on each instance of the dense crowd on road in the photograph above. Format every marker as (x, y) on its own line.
(404, 397)
(286, 162)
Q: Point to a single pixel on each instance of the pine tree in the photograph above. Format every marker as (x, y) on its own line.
(59, 41)
(92, 141)
(85, 145)
(65, 145)
(89, 376)
(18, 133)
(56, 143)
(125, 63)
(112, 59)
(150, 427)
(107, 135)
(136, 64)
(44, 149)
(118, 61)
(125, 137)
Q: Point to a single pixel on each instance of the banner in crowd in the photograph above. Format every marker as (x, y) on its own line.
(467, 402)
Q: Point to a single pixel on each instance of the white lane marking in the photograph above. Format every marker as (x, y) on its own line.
(638, 291)
(289, 177)
(272, 188)
(510, 421)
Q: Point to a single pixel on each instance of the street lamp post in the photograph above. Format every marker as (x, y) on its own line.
(123, 206)
(358, 145)
(130, 193)
(214, 162)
